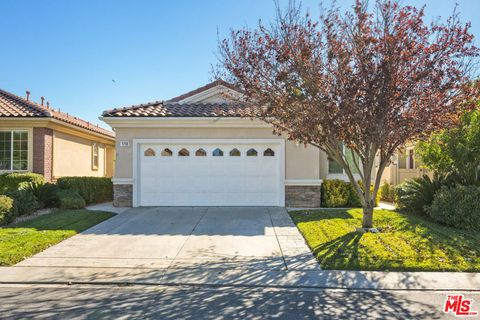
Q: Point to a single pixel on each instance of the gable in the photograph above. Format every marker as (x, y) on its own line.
(217, 94)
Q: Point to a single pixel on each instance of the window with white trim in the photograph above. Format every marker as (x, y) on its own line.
(350, 157)
(95, 156)
(14, 150)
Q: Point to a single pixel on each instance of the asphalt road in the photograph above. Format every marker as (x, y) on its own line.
(162, 302)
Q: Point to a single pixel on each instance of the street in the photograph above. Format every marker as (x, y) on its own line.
(198, 302)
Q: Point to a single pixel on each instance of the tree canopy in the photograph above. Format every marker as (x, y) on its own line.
(455, 152)
(369, 80)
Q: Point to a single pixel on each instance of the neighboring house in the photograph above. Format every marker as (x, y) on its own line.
(197, 150)
(405, 165)
(37, 138)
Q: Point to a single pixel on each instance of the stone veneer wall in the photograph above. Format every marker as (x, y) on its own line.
(302, 196)
(122, 195)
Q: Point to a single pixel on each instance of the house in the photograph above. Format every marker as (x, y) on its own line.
(37, 138)
(197, 150)
(405, 165)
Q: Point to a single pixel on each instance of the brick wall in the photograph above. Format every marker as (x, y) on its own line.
(42, 152)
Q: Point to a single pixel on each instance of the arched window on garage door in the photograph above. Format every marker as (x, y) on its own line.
(217, 153)
(183, 153)
(235, 152)
(252, 153)
(166, 153)
(268, 153)
(201, 153)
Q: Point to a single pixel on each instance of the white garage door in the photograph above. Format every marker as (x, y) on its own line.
(210, 174)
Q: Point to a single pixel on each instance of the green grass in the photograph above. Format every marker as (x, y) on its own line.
(406, 243)
(24, 239)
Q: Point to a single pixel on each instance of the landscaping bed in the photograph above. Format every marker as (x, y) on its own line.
(24, 239)
(405, 243)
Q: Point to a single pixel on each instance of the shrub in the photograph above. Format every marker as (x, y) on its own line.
(92, 189)
(24, 202)
(415, 195)
(7, 213)
(387, 192)
(70, 199)
(340, 194)
(457, 206)
(13, 181)
(46, 194)
(335, 194)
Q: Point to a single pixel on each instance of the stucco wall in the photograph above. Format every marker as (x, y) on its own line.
(300, 162)
(72, 156)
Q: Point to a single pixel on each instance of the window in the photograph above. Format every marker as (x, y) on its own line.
(217, 153)
(201, 153)
(268, 153)
(166, 153)
(351, 158)
(235, 153)
(149, 152)
(252, 153)
(411, 159)
(13, 150)
(95, 156)
(183, 153)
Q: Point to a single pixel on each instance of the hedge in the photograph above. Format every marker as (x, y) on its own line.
(70, 199)
(6, 210)
(457, 206)
(337, 193)
(14, 180)
(92, 189)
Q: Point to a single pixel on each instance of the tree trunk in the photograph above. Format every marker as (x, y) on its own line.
(367, 217)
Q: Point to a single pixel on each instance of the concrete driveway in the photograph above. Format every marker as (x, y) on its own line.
(186, 237)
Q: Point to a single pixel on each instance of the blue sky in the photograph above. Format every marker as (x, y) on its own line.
(69, 51)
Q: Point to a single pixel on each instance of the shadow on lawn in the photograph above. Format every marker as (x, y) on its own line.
(344, 247)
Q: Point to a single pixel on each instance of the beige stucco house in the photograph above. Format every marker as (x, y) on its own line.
(37, 138)
(196, 149)
(405, 165)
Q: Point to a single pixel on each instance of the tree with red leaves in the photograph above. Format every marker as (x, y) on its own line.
(367, 81)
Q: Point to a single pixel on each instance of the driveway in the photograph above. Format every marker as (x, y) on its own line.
(180, 238)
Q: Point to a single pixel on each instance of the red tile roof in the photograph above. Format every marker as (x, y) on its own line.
(13, 106)
(174, 109)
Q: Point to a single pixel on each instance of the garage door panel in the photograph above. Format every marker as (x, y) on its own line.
(209, 180)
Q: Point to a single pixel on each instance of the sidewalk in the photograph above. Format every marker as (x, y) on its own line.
(242, 277)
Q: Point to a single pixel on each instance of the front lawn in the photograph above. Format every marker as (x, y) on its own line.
(24, 239)
(405, 243)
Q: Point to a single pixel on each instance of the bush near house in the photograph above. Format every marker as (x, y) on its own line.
(457, 206)
(387, 192)
(92, 189)
(415, 195)
(13, 181)
(24, 202)
(70, 199)
(337, 193)
(6, 210)
(46, 194)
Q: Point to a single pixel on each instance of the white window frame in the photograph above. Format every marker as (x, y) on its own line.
(29, 149)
